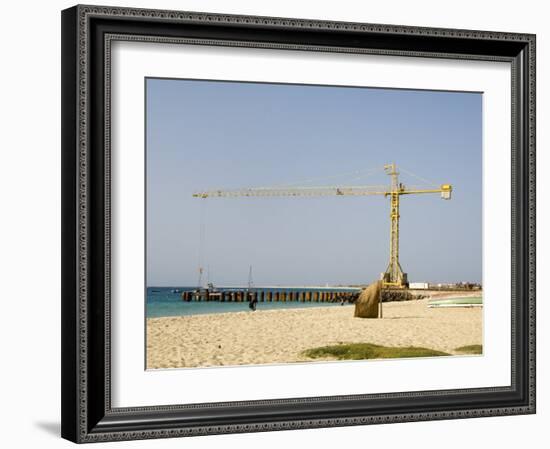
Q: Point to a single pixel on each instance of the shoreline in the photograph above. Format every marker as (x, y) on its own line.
(281, 335)
(454, 294)
(259, 309)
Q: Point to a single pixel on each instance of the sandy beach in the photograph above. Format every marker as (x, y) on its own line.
(280, 336)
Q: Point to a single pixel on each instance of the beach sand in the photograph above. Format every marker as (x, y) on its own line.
(280, 336)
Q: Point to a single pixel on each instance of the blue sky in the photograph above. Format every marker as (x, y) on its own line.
(206, 134)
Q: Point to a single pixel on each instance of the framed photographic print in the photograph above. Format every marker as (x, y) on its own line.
(275, 223)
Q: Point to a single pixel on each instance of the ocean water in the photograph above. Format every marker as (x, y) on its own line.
(162, 301)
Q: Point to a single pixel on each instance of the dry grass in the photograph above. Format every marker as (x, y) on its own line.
(470, 349)
(362, 351)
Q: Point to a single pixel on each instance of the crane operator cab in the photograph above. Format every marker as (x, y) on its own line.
(446, 190)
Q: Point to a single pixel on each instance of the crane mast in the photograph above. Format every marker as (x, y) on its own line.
(393, 277)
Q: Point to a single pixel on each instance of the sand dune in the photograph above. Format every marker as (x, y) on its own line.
(278, 336)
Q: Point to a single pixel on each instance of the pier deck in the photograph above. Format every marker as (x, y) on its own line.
(270, 294)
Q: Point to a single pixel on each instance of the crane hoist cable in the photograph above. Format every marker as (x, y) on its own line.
(359, 174)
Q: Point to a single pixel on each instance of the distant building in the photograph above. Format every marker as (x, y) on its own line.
(455, 286)
(418, 285)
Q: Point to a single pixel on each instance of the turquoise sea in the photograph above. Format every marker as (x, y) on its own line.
(166, 301)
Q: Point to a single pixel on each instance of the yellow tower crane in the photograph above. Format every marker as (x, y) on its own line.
(394, 275)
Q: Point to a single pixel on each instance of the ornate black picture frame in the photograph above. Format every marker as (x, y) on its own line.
(87, 414)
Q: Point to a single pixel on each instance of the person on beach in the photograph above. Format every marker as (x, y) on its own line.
(252, 303)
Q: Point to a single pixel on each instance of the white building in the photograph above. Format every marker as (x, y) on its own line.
(418, 285)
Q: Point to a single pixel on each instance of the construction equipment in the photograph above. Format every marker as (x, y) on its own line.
(250, 281)
(393, 276)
